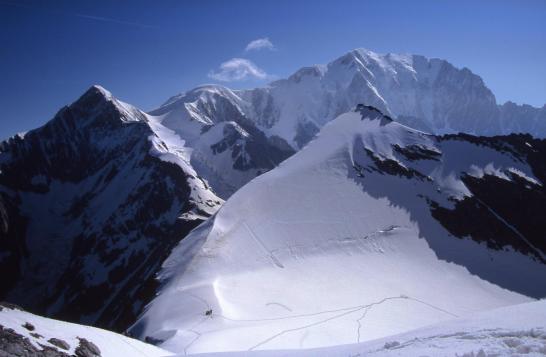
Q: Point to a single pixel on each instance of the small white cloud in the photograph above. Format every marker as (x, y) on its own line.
(237, 69)
(260, 44)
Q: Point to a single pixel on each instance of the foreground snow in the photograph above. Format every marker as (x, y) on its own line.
(320, 252)
(40, 330)
(518, 330)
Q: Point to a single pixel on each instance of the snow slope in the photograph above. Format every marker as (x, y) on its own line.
(39, 331)
(518, 330)
(352, 239)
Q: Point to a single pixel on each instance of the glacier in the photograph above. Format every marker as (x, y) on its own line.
(340, 244)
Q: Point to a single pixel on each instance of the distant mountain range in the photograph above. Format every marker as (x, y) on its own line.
(275, 121)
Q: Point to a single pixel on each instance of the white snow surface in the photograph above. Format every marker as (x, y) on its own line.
(309, 255)
(518, 330)
(110, 344)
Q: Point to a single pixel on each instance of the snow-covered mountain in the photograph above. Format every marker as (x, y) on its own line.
(238, 134)
(370, 230)
(229, 148)
(90, 205)
(373, 229)
(24, 334)
(427, 94)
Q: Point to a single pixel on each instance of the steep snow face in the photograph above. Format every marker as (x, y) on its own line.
(91, 203)
(356, 237)
(518, 330)
(22, 331)
(228, 147)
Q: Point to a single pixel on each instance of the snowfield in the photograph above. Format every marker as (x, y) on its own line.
(518, 330)
(327, 250)
(40, 330)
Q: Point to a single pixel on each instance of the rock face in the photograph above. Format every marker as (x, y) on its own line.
(373, 229)
(13, 344)
(87, 349)
(503, 207)
(90, 205)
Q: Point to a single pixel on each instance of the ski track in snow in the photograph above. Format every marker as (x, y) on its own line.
(278, 304)
(513, 229)
(510, 331)
(197, 334)
(268, 252)
(344, 312)
(360, 324)
(198, 298)
(351, 310)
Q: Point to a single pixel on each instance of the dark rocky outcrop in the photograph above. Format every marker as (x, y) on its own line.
(87, 349)
(87, 213)
(471, 188)
(14, 345)
(59, 343)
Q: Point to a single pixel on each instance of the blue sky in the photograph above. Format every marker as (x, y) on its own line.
(147, 51)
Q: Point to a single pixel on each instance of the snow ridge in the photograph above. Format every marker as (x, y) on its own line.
(350, 240)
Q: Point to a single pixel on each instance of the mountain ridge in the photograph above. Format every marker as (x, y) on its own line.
(431, 95)
(387, 74)
(91, 202)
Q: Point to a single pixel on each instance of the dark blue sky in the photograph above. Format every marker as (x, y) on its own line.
(144, 52)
